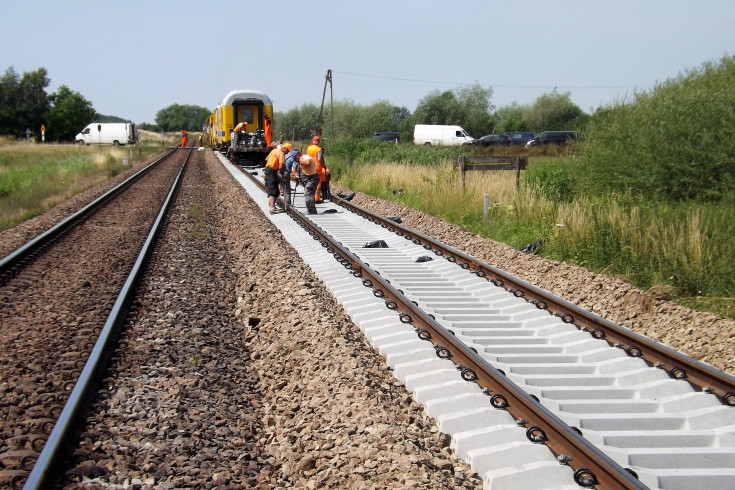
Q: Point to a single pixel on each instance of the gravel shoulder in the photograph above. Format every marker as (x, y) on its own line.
(702, 336)
(241, 371)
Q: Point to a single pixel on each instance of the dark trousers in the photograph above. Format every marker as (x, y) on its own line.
(286, 184)
(309, 182)
(271, 181)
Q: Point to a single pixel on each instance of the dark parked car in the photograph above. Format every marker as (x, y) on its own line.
(391, 136)
(493, 140)
(520, 137)
(553, 137)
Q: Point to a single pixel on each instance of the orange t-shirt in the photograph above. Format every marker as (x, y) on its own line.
(242, 126)
(275, 160)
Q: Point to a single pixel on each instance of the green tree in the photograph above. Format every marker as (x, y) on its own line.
(400, 114)
(299, 123)
(511, 118)
(468, 106)
(554, 111)
(23, 101)
(476, 106)
(350, 120)
(674, 142)
(69, 113)
(356, 121)
(182, 116)
(405, 127)
(33, 103)
(8, 107)
(438, 108)
(109, 119)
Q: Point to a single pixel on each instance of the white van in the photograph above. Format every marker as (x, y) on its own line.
(440, 134)
(107, 133)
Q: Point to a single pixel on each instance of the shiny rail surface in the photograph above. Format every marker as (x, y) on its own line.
(471, 342)
(76, 375)
(54, 451)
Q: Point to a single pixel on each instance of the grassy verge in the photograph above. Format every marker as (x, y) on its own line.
(686, 246)
(34, 178)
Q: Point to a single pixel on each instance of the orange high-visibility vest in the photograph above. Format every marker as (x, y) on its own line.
(268, 129)
(313, 151)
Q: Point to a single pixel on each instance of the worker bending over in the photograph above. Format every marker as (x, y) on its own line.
(241, 127)
(273, 164)
(316, 152)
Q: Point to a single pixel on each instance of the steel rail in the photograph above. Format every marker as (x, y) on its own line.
(592, 467)
(676, 364)
(12, 261)
(53, 452)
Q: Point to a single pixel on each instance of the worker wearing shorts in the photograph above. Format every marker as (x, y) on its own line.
(273, 164)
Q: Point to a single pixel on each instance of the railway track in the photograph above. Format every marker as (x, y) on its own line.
(515, 336)
(58, 311)
(478, 347)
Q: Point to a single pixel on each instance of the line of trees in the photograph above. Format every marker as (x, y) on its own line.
(468, 106)
(177, 117)
(25, 107)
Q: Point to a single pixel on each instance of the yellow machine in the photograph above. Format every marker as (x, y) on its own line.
(208, 129)
(251, 106)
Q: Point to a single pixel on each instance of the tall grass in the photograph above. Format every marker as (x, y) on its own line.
(34, 178)
(357, 150)
(684, 245)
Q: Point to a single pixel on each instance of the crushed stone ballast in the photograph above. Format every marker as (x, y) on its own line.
(662, 429)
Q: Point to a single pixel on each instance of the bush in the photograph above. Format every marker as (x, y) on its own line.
(554, 180)
(674, 143)
(365, 150)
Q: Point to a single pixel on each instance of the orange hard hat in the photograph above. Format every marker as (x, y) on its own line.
(316, 140)
(288, 145)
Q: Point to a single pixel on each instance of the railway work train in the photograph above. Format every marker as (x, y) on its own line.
(250, 106)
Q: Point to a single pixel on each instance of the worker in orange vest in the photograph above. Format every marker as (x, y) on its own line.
(316, 152)
(268, 129)
(184, 136)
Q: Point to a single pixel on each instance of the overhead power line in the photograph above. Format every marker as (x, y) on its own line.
(417, 80)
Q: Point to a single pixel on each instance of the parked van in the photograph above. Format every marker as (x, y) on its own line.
(440, 134)
(390, 136)
(107, 133)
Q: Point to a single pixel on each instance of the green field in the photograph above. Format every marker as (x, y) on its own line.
(36, 177)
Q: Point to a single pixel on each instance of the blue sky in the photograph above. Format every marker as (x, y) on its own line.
(133, 58)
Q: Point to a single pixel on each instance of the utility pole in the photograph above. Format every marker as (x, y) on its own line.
(328, 80)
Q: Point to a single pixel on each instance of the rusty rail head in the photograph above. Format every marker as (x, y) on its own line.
(678, 365)
(592, 467)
